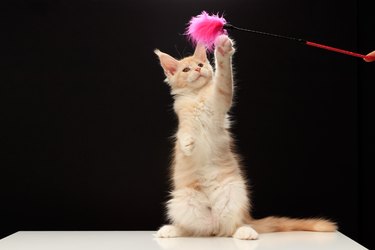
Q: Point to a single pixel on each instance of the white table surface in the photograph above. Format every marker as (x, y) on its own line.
(144, 240)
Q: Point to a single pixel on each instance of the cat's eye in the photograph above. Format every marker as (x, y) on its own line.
(200, 65)
(186, 69)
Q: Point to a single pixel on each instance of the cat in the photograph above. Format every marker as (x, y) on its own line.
(210, 195)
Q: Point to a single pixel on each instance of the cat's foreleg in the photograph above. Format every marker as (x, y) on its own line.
(186, 142)
(223, 77)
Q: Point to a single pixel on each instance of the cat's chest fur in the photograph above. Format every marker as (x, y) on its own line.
(199, 113)
(202, 114)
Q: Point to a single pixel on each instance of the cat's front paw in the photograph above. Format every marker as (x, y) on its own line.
(224, 46)
(187, 144)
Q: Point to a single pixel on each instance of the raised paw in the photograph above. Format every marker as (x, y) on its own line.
(224, 46)
(168, 231)
(187, 144)
(245, 233)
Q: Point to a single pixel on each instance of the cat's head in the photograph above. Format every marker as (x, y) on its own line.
(189, 73)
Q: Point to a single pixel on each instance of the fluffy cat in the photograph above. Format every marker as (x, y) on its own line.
(210, 196)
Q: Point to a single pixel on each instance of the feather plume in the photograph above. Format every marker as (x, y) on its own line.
(204, 28)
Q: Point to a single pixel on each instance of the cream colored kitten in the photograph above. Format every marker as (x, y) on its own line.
(210, 196)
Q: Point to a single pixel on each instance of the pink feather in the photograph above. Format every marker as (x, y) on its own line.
(204, 28)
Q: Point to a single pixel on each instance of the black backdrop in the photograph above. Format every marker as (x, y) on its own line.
(86, 118)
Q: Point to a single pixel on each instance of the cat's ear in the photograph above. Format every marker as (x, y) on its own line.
(200, 52)
(168, 63)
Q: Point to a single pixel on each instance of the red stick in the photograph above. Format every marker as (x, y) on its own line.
(335, 49)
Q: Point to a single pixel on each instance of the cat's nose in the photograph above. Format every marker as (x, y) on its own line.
(198, 69)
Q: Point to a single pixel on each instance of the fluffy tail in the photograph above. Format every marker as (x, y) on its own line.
(283, 224)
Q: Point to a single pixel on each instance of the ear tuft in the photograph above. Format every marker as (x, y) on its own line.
(157, 52)
(200, 52)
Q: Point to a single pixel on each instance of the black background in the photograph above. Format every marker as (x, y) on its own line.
(86, 119)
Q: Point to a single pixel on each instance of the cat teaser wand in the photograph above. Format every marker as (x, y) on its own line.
(204, 28)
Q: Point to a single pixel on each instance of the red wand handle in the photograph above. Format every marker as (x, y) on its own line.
(346, 52)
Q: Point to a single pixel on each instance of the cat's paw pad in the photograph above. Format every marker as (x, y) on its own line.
(168, 231)
(224, 45)
(245, 233)
(187, 145)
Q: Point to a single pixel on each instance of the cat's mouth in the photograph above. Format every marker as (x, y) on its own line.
(201, 74)
(199, 77)
(195, 77)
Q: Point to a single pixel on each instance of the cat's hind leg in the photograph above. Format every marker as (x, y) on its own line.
(190, 210)
(245, 232)
(230, 207)
(169, 231)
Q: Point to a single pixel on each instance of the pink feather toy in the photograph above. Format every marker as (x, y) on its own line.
(205, 28)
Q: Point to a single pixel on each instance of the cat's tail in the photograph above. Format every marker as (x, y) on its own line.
(283, 224)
